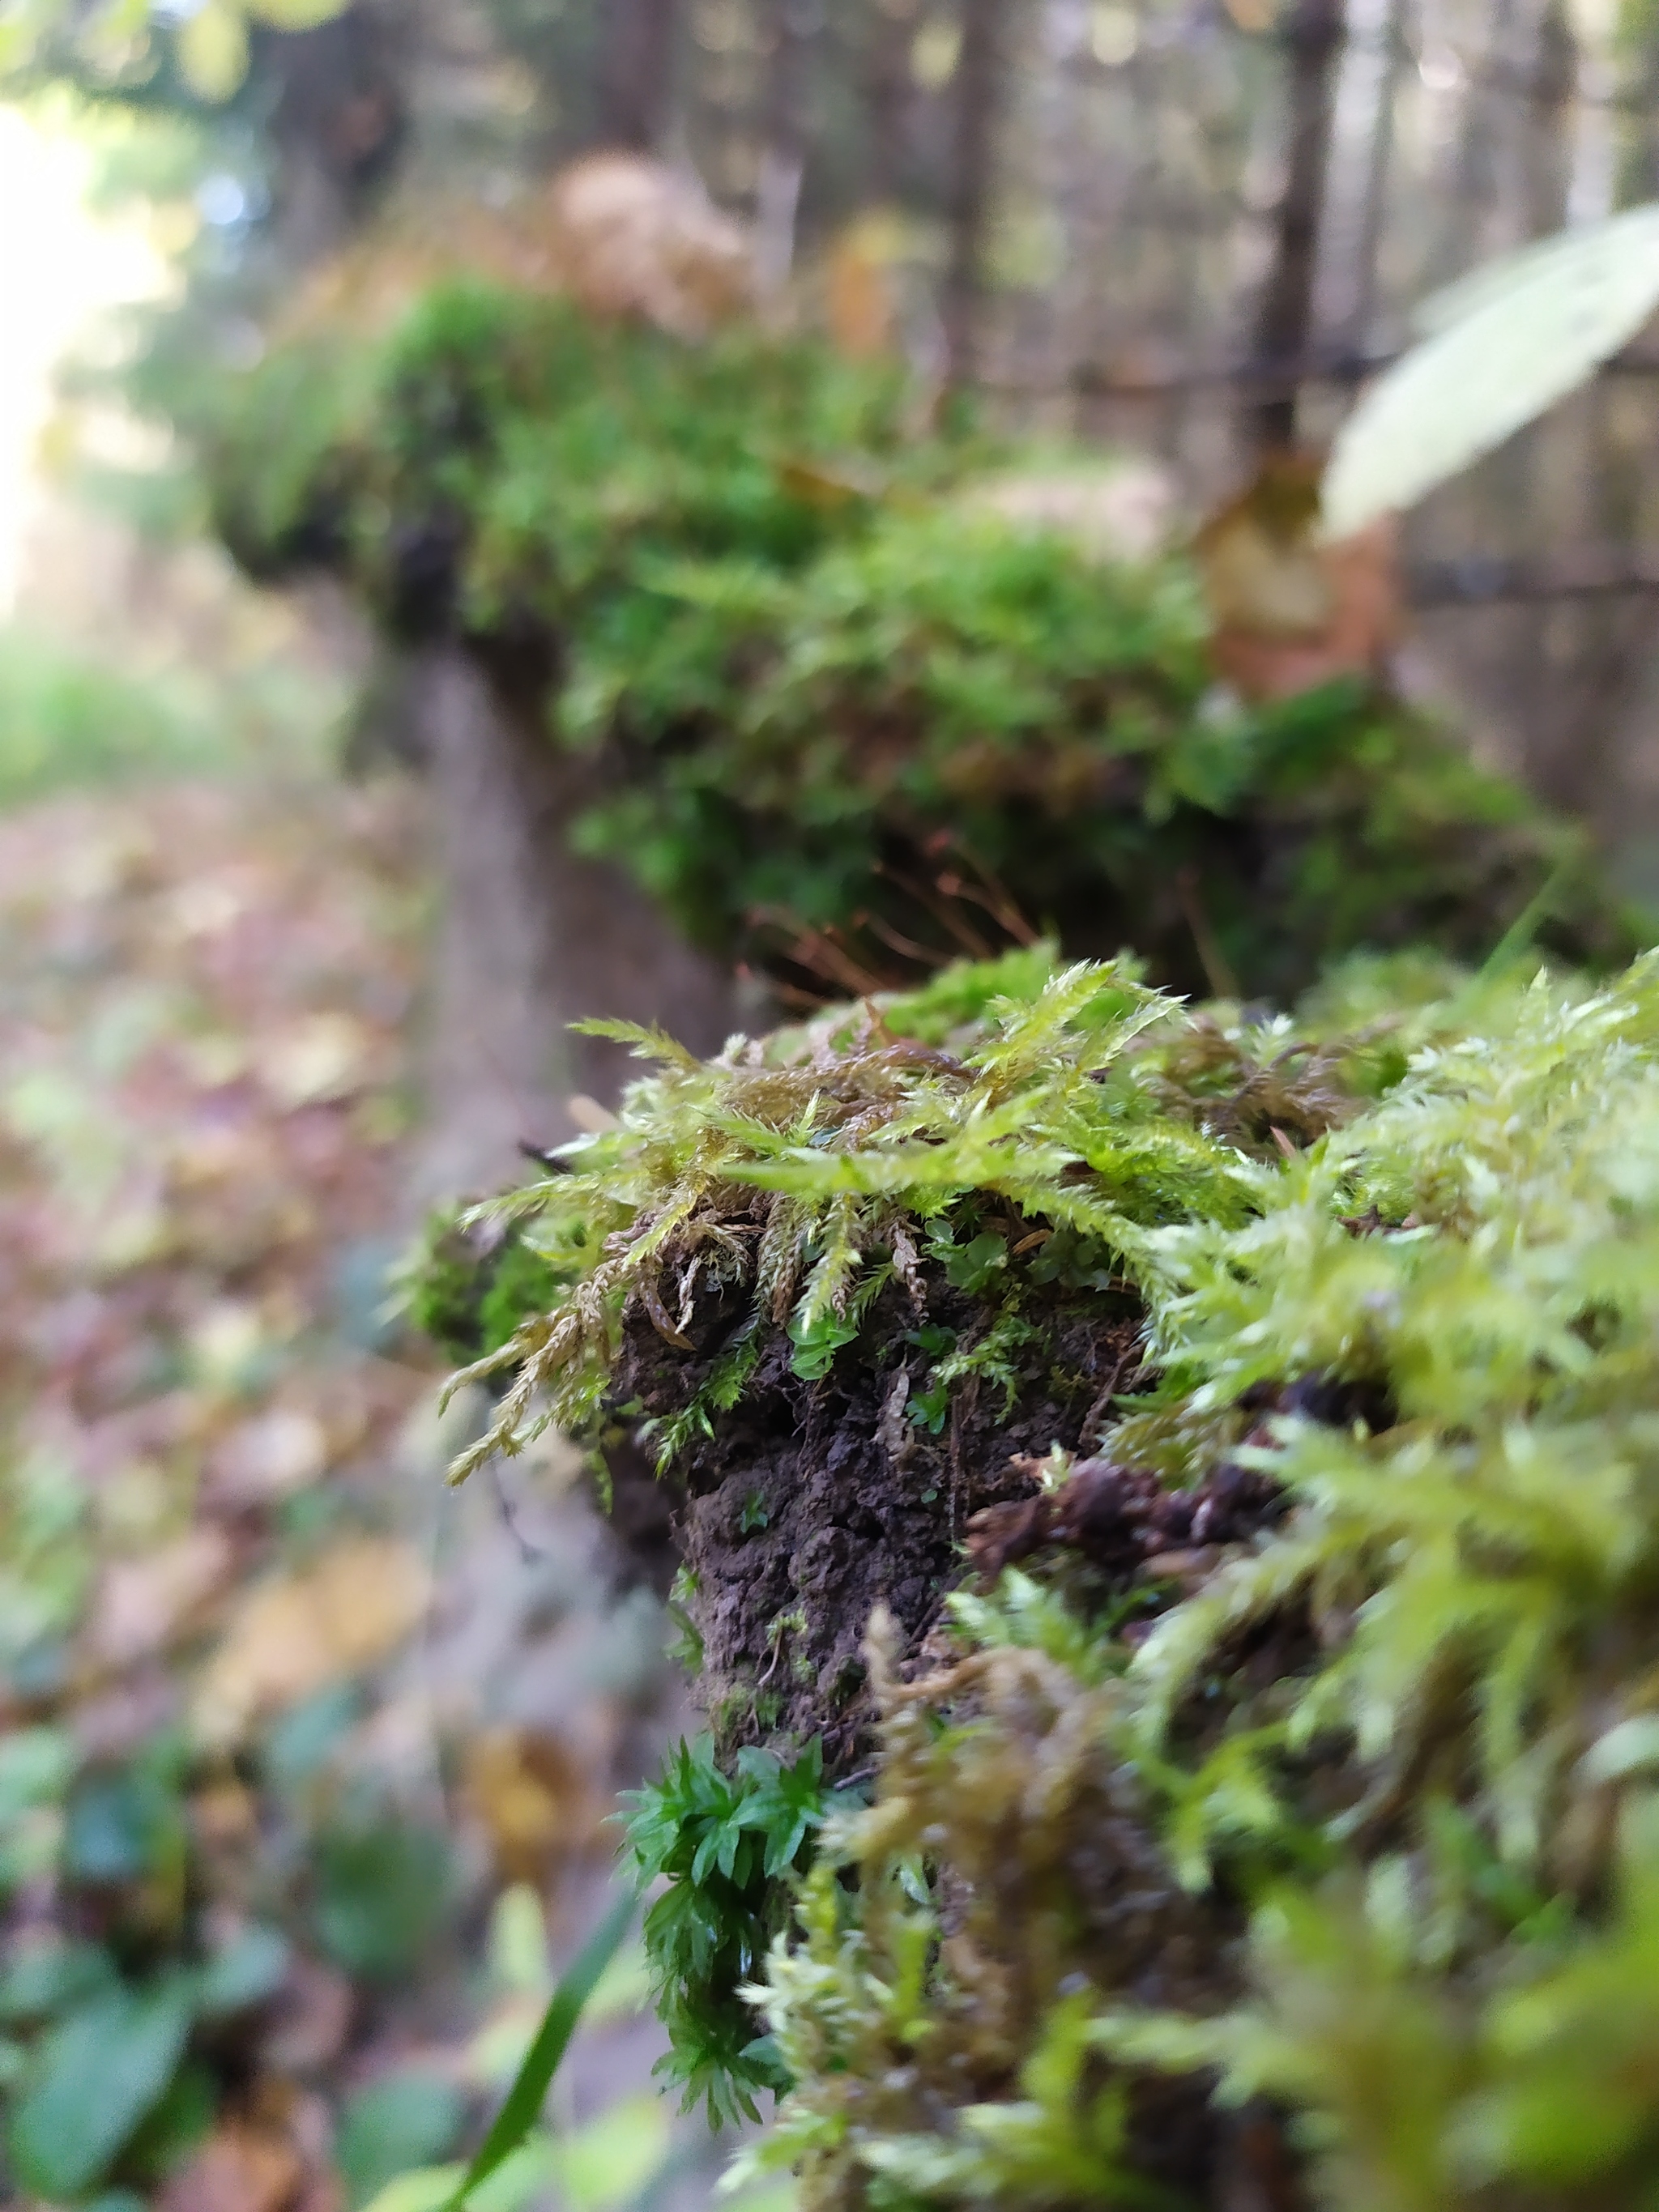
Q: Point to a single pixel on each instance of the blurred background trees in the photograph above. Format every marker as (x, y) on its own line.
(1161, 225)
(1184, 230)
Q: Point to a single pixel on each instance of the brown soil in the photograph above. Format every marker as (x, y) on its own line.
(819, 1500)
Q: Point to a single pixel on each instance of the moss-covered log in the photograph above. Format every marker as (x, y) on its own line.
(1240, 1440)
(840, 708)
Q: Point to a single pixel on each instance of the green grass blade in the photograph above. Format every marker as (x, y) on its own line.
(524, 2101)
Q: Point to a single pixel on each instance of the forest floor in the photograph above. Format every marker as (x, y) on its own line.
(277, 1710)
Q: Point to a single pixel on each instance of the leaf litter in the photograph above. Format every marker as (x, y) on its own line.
(284, 1727)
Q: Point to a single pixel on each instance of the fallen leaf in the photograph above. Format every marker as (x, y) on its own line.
(227, 1344)
(224, 1817)
(1291, 610)
(271, 1457)
(239, 2168)
(310, 2020)
(98, 2072)
(531, 1797)
(296, 1635)
(1252, 16)
(317, 1060)
(634, 237)
(1119, 512)
(860, 299)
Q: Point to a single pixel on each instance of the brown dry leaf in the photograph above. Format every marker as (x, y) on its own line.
(636, 238)
(224, 1817)
(624, 235)
(828, 489)
(294, 1636)
(531, 1796)
(858, 302)
(1252, 16)
(240, 2168)
(1291, 612)
(145, 1604)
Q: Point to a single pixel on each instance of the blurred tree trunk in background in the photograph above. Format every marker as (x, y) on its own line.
(1313, 36)
(531, 938)
(889, 93)
(336, 99)
(791, 29)
(636, 72)
(979, 75)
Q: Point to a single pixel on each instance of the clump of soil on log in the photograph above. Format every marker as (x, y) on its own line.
(815, 1501)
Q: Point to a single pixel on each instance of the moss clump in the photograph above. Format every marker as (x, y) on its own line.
(730, 1845)
(816, 674)
(469, 1289)
(1270, 1805)
(852, 1283)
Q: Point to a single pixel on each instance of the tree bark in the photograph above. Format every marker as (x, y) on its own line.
(1314, 38)
(889, 93)
(793, 27)
(979, 83)
(636, 72)
(532, 939)
(338, 121)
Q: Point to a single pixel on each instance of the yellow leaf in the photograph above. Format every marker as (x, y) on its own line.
(517, 1943)
(294, 1636)
(213, 50)
(934, 55)
(321, 1057)
(24, 26)
(125, 19)
(1504, 344)
(294, 15)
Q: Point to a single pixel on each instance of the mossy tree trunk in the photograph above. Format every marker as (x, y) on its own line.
(531, 937)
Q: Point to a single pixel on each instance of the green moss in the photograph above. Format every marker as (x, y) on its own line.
(822, 677)
(1350, 1815)
(726, 1842)
(865, 1147)
(469, 1294)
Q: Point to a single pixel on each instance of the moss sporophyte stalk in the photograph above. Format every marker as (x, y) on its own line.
(1169, 1515)
(814, 671)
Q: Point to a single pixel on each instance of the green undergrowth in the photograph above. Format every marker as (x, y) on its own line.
(843, 711)
(1324, 1852)
(729, 1844)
